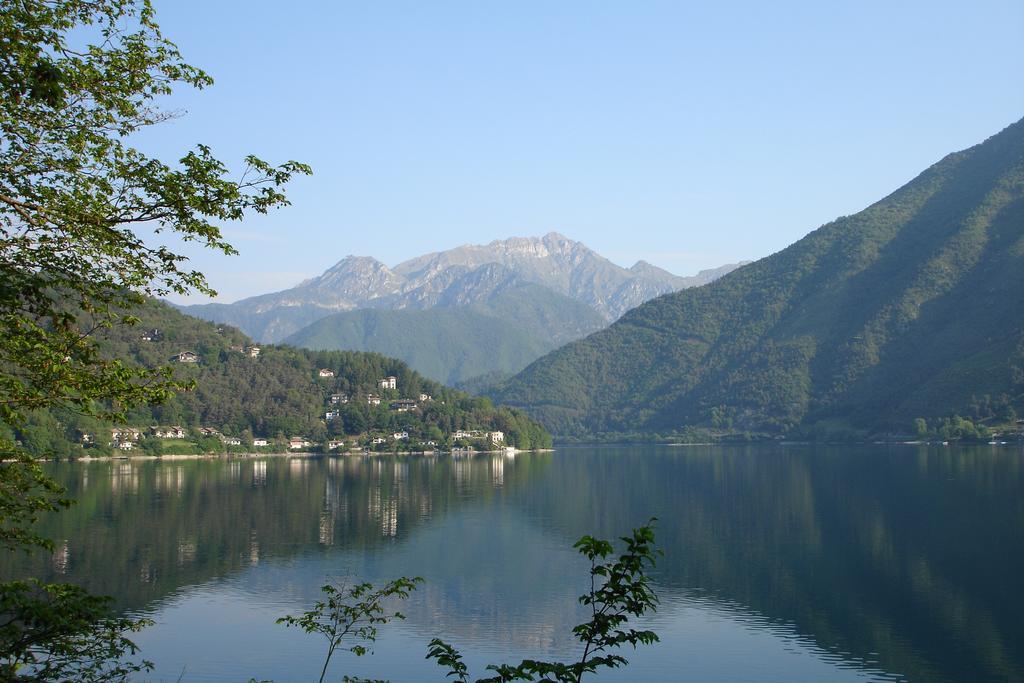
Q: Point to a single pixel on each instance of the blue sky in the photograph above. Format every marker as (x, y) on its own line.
(686, 134)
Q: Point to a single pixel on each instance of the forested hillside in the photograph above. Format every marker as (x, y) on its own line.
(912, 308)
(503, 333)
(277, 393)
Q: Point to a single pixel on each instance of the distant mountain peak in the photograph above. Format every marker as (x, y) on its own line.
(353, 262)
(463, 276)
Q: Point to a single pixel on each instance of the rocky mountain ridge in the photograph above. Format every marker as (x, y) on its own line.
(463, 276)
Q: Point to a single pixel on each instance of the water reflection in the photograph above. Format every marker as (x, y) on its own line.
(872, 563)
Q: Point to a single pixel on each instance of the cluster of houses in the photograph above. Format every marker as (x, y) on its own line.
(333, 411)
(127, 438)
(193, 357)
(402, 405)
(496, 438)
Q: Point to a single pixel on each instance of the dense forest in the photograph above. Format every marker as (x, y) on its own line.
(245, 393)
(903, 319)
(502, 334)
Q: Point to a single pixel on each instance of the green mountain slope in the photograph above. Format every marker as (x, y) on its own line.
(910, 308)
(278, 393)
(504, 333)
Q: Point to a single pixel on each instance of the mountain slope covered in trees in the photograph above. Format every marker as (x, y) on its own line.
(504, 333)
(275, 395)
(911, 308)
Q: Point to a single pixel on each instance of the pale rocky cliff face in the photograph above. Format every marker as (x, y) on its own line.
(559, 263)
(463, 276)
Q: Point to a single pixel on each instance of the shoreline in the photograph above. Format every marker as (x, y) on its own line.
(294, 454)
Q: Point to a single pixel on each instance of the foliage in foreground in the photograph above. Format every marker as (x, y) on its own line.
(619, 591)
(59, 632)
(81, 216)
(351, 611)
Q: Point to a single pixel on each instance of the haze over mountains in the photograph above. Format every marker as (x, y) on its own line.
(911, 308)
(506, 303)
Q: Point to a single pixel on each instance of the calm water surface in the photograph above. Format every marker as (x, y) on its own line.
(781, 564)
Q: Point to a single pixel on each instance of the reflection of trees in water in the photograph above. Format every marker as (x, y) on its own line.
(142, 529)
(908, 554)
(911, 555)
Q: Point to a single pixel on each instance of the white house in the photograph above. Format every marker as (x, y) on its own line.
(398, 436)
(425, 397)
(122, 434)
(174, 432)
(334, 445)
(339, 398)
(373, 399)
(260, 442)
(326, 372)
(185, 357)
(297, 442)
(232, 441)
(497, 437)
(332, 415)
(253, 351)
(378, 439)
(389, 382)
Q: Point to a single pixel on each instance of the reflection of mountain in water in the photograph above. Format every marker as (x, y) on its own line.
(904, 557)
(913, 555)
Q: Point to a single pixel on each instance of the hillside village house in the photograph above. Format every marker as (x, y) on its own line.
(253, 351)
(389, 382)
(493, 437)
(260, 442)
(398, 436)
(124, 437)
(185, 357)
(425, 397)
(232, 441)
(297, 442)
(378, 440)
(325, 372)
(373, 399)
(335, 445)
(208, 431)
(174, 432)
(332, 415)
(403, 406)
(339, 398)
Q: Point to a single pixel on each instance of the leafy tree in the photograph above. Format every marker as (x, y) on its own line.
(619, 591)
(351, 612)
(77, 79)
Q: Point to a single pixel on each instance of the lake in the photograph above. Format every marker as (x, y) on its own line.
(781, 563)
